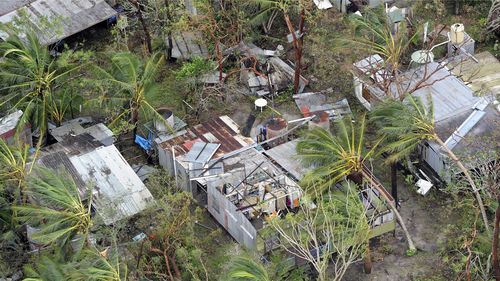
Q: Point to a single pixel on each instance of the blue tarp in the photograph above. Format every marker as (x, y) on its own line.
(143, 143)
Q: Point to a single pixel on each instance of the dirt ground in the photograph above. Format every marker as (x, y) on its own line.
(424, 221)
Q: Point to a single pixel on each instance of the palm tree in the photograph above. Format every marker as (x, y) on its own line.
(13, 168)
(340, 156)
(133, 82)
(410, 124)
(30, 76)
(246, 269)
(87, 265)
(56, 208)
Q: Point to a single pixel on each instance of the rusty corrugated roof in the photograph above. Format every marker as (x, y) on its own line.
(213, 131)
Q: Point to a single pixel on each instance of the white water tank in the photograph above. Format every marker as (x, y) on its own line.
(167, 115)
(457, 34)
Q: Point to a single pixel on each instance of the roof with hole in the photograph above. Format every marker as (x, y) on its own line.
(71, 16)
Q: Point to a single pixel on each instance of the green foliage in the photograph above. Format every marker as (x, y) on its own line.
(30, 78)
(334, 156)
(405, 125)
(130, 82)
(87, 265)
(246, 269)
(194, 68)
(56, 208)
(172, 237)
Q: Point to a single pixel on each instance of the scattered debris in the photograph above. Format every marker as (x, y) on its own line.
(314, 103)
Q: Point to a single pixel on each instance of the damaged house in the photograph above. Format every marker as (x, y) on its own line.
(463, 89)
(100, 169)
(243, 185)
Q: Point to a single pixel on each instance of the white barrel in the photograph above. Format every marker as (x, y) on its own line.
(457, 34)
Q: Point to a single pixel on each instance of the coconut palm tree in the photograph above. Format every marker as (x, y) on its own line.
(411, 123)
(335, 157)
(56, 208)
(132, 82)
(30, 77)
(87, 265)
(13, 169)
(246, 269)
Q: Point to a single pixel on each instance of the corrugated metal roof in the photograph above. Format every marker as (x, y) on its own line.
(483, 76)
(285, 155)
(9, 122)
(450, 96)
(73, 16)
(7, 6)
(202, 152)
(118, 192)
(221, 130)
(187, 45)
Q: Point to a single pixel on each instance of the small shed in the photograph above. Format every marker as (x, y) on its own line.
(117, 191)
(8, 127)
(71, 16)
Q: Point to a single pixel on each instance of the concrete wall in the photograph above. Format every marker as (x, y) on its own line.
(226, 213)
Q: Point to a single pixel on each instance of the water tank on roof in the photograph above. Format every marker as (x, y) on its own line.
(168, 116)
(457, 34)
(275, 126)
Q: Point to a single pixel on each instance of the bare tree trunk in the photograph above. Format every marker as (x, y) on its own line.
(411, 246)
(143, 23)
(469, 179)
(367, 260)
(134, 119)
(297, 46)
(494, 248)
(394, 182)
(169, 33)
(219, 59)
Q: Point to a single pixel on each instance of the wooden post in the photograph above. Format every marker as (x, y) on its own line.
(394, 182)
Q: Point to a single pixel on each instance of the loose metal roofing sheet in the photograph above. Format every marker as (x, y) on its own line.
(9, 122)
(72, 16)
(202, 152)
(187, 45)
(221, 130)
(118, 192)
